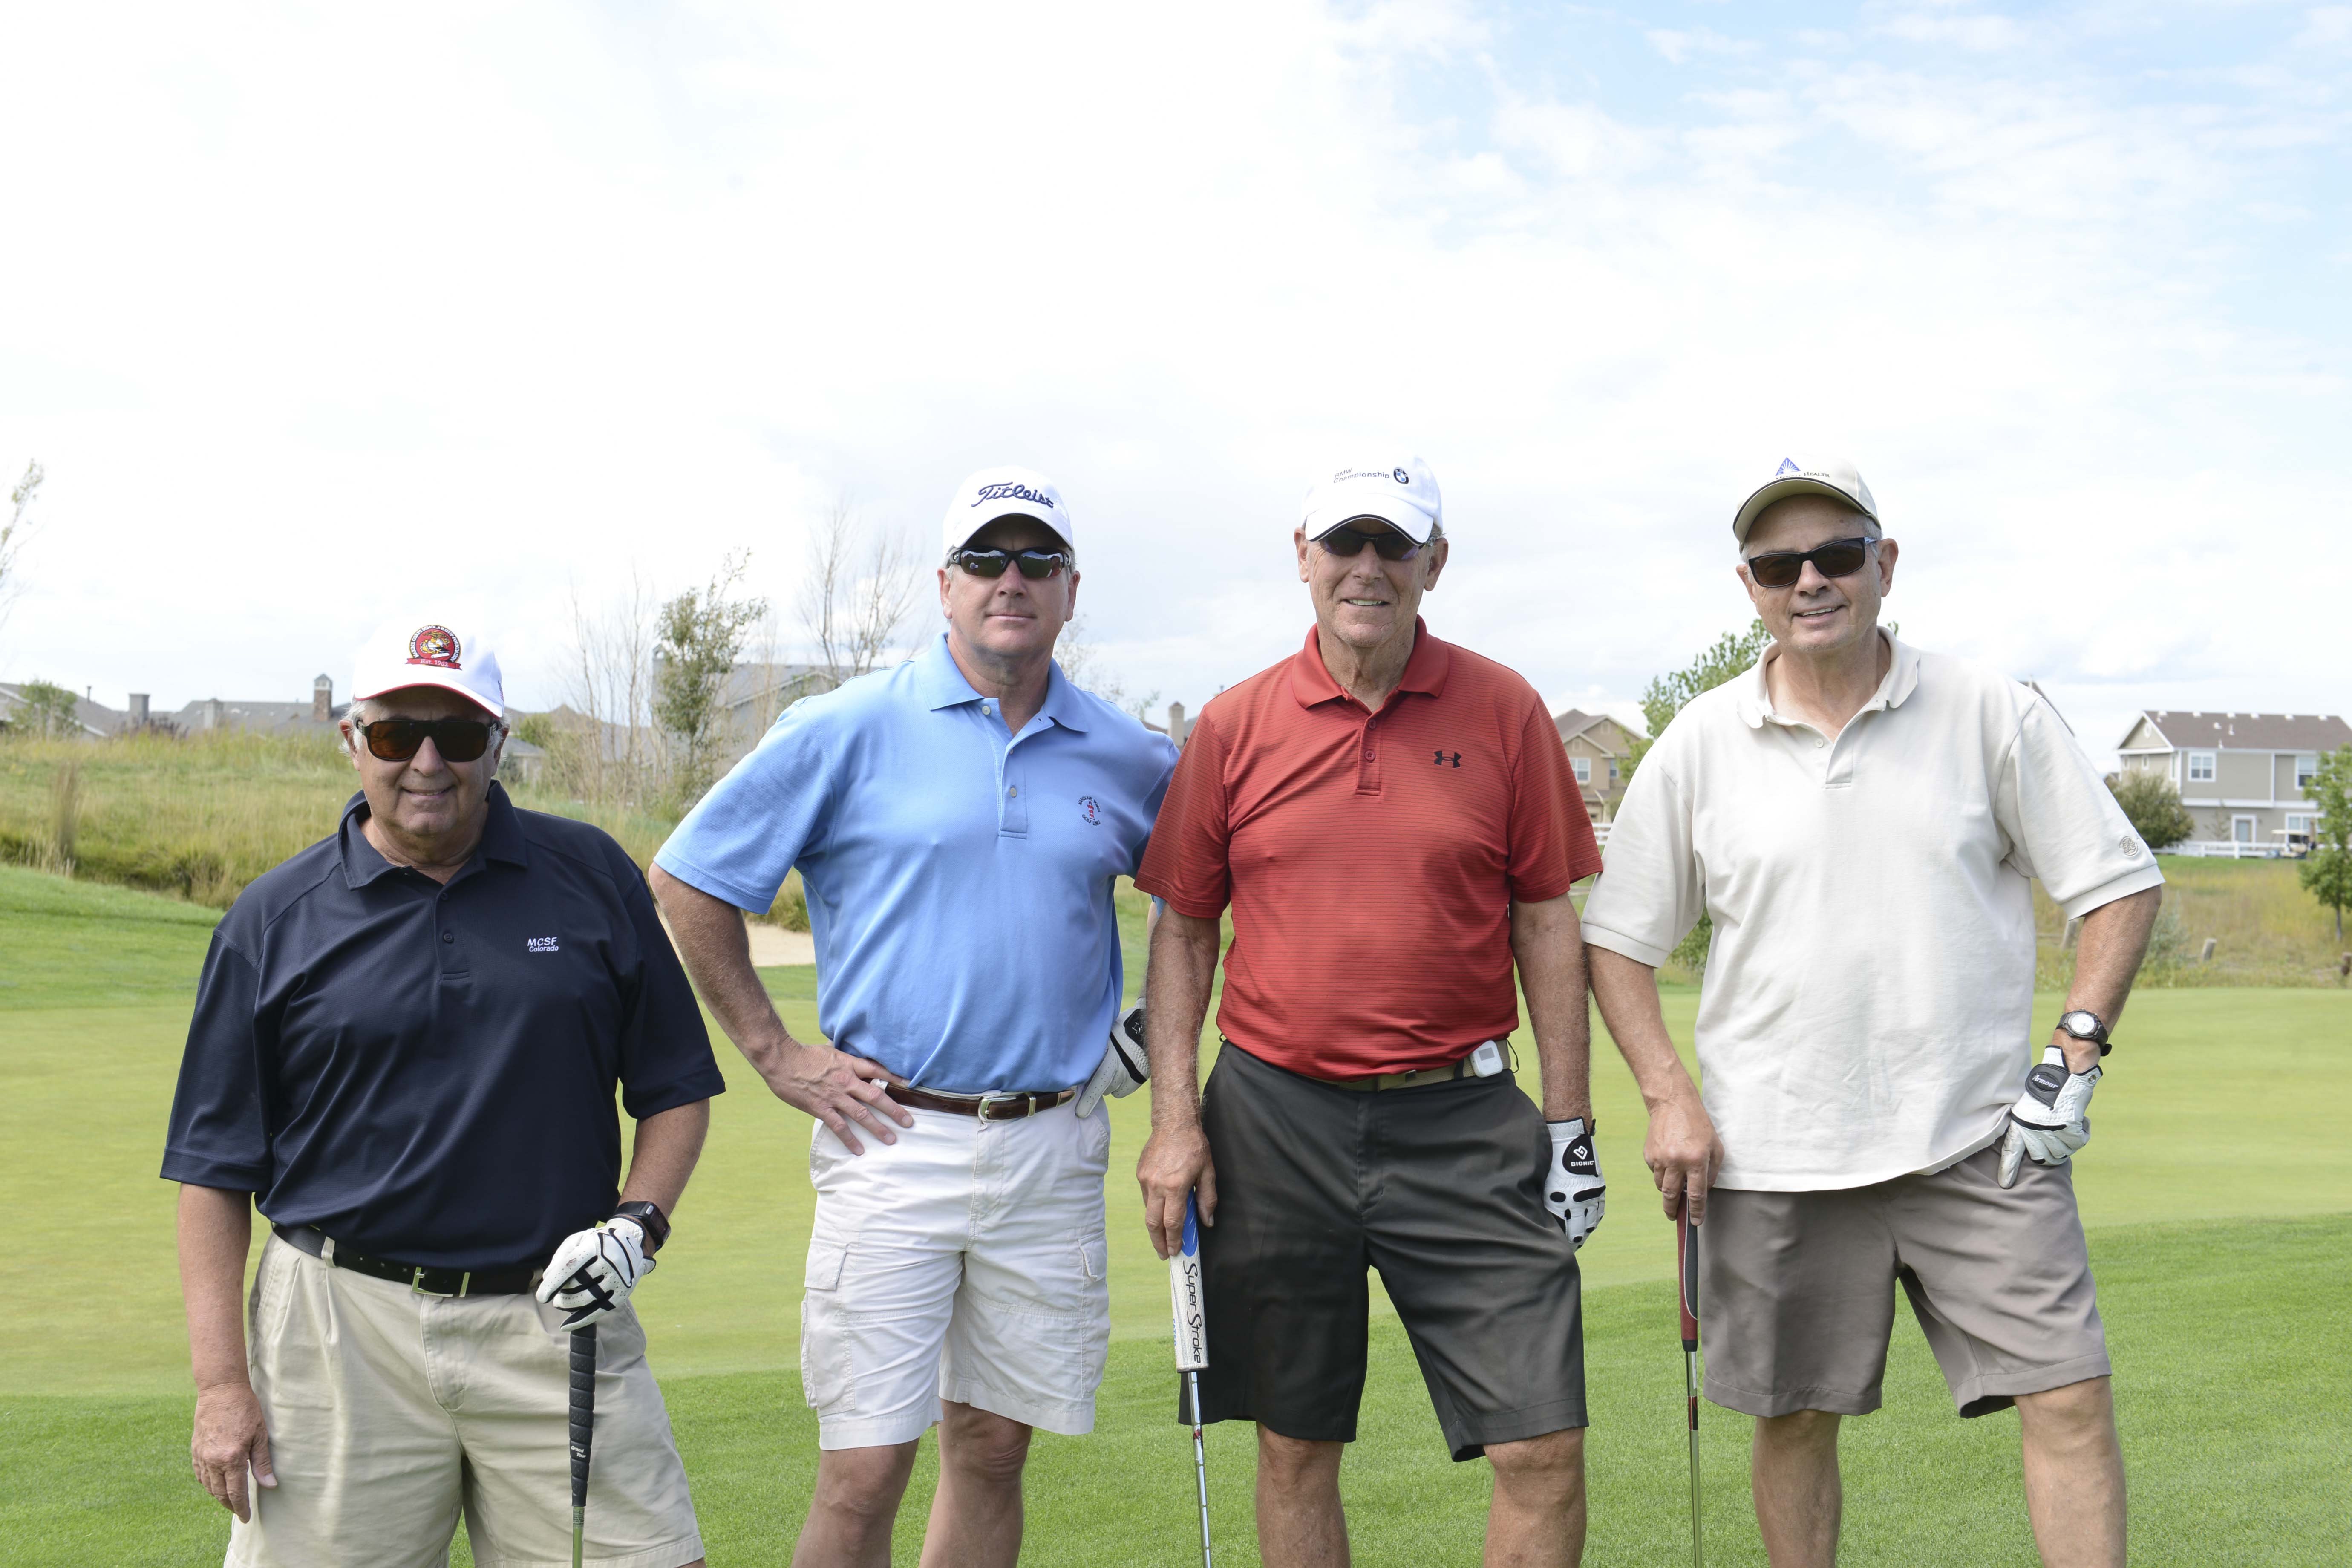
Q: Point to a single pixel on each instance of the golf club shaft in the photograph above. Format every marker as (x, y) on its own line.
(1200, 1461)
(1686, 1288)
(583, 1430)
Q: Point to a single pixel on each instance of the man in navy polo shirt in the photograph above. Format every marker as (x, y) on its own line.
(405, 1044)
(959, 823)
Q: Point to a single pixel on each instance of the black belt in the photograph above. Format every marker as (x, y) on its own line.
(423, 1280)
(987, 1107)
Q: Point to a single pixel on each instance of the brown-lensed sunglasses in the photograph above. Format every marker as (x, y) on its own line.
(1838, 558)
(397, 739)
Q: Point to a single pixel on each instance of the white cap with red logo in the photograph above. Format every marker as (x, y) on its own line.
(432, 654)
(1397, 489)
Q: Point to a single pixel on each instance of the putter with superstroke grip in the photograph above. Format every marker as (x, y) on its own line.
(1192, 1348)
(1686, 1286)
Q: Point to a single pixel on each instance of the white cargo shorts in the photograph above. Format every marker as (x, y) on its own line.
(966, 1261)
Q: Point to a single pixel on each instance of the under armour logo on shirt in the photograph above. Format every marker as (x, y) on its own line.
(1444, 757)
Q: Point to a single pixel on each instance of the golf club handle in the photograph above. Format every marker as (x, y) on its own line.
(583, 1409)
(1686, 1274)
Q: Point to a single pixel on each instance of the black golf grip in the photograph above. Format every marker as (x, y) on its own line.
(583, 1409)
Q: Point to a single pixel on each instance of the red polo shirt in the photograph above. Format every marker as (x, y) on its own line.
(1371, 859)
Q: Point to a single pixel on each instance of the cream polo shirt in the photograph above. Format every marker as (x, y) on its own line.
(1870, 989)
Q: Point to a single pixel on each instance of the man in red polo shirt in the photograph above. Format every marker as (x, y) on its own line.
(1393, 822)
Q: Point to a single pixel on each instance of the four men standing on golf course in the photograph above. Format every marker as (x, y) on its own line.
(407, 1039)
(405, 1044)
(1862, 822)
(959, 824)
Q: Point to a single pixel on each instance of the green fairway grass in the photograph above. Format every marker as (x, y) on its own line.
(2220, 1121)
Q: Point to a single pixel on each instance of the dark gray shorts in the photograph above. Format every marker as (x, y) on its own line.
(1440, 1188)
(1797, 1290)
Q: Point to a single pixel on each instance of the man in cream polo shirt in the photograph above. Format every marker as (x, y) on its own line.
(1864, 822)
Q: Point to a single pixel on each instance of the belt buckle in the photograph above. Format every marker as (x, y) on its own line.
(416, 1283)
(994, 1098)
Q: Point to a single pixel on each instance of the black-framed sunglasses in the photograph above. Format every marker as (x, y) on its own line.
(1035, 564)
(1347, 541)
(1838, 558)
(398, 740)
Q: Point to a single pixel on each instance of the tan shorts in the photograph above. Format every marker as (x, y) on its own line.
(1797, 1290)
(390, 1412)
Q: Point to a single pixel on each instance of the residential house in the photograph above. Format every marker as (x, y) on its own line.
(1598, 748)
(91, 718)
(2241, 776)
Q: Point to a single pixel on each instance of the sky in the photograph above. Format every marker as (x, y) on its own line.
(322, 319)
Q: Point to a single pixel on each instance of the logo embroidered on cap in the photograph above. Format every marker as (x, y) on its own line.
(541, 945)
(1788, 465)
(1089, 809)
(1011, 492)
(435, 645)
(1400, 475)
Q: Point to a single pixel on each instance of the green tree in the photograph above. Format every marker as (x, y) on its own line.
(1732, 655)
(45, 709)
(2327, 871)
(2153, 808)
(696, 638)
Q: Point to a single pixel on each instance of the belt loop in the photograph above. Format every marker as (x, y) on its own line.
(326, 1250)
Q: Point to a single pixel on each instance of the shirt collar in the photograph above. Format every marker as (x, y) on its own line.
(1901, 680)
(502, 838)
(1425, 672)
(940, 684)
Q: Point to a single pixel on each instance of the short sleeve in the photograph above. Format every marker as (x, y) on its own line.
(665, 1059)
(1189, 862)
(1159, 765)
(219, 1131)
(2063, 825)
(741, 838)
(1552, 847)
(1650, 893)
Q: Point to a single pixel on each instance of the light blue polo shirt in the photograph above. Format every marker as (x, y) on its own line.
(959, 877)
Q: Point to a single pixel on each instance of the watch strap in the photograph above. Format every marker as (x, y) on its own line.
(650, 1217)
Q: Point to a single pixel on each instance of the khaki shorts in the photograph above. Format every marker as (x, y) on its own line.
(1797, 1290)
(390, 1412)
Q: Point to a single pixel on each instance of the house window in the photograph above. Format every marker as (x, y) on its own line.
(2306, 768)
(2298, 823)
(1613, 770)
(1583, 766)
(2242, 829)
(2200, 767)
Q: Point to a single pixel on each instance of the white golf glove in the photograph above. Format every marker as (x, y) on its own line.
(1124, 1066)
(2051, 1119)
(1573, 1189)
(594, 1270)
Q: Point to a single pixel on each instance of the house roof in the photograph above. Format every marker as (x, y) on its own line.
(95, 717)
(252, 715)
(2248, 731)
(1576, 722)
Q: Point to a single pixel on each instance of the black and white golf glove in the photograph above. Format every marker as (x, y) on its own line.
(2051, 1119)
(593, 1271)
(1573, 1189)
(1124, 1066)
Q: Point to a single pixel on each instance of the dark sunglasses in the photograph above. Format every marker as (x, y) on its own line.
(1838, 558)
(1035, 564)
(397, 739)
(1391, 545)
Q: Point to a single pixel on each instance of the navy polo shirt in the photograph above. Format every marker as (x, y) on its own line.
(426, 1073)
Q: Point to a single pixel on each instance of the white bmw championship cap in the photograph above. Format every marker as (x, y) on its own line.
(1839, 480)
(446, 654)
(1008, 492)
(1399, 489)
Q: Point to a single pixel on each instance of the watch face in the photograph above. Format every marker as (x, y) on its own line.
(2081, 1026)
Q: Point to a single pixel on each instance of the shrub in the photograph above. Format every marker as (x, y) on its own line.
(2153, 808)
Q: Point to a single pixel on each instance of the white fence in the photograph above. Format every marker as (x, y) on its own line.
(2225, 849)
(1601, 833)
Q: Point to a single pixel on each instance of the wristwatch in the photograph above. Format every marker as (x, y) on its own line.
(656, 1228)
(2086, 1026)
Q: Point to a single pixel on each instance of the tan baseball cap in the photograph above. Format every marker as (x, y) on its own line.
(1838, 479)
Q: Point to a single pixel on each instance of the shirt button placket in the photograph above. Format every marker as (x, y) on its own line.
(1367, 770)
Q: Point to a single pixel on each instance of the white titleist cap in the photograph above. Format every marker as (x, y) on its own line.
(1399, 490)
(992, 493)
(433, 654)
(1839, 480)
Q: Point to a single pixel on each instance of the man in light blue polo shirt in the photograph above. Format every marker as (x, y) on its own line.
(957, 823)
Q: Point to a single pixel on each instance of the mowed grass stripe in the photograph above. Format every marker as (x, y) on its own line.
(2234, 1415)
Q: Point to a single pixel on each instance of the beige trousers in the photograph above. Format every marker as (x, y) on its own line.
(391, 1413)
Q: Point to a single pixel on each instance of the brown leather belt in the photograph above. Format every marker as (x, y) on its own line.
(987, 1107)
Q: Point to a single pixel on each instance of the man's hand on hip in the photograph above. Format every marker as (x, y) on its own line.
(594, 1270)
(1683, 1152)
(2051, 1119)
(231, 1438)
(1174, 1163)
(843, 1092)
(1573, 1189)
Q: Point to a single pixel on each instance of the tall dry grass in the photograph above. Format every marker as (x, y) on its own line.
(2266, 930)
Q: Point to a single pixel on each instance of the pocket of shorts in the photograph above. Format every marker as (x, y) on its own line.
(1093, 1258)
(273, 1291)
(825, 1256)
